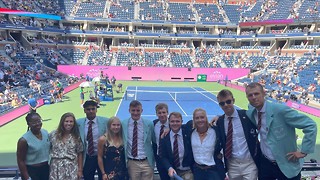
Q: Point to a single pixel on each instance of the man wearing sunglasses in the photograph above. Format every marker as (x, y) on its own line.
(239, 139)
(91, 128)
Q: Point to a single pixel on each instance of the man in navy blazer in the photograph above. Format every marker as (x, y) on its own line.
(242, 161)
(185, 151)
(161, 124)
(98, 129)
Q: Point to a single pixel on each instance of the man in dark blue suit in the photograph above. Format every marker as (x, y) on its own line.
(160, 125)
(176, 153)
(239, 139)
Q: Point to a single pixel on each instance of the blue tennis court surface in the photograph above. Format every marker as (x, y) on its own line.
(181, 99)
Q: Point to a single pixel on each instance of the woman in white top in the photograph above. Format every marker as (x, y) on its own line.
(206, 149)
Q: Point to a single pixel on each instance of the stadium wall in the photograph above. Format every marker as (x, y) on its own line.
(155, 74)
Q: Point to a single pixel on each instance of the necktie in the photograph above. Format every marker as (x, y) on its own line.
(90, 139)
(259, 120)
(134, 149)
(228, 149)
(161, 131)
(176, 152)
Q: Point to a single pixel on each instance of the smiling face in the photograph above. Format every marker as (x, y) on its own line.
(200, 119)
(115, 126)
(68, 124)
(175, 122)
(35, 123)
(162, 115)
(226, 104)
(135, 112)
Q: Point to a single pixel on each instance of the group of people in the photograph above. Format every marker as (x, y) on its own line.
(244, 144)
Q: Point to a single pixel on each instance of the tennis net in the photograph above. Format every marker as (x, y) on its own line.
(143, 95)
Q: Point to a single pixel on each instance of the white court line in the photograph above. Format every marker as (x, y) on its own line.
(205, 95)
(178, 105)
(121, 101)
(136, 94)
(212, 99)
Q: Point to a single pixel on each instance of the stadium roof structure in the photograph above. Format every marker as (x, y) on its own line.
(28, 14)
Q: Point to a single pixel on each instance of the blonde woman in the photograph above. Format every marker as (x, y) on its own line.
(206, 149)
(111, 154)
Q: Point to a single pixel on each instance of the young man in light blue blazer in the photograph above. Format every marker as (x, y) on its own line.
(140, 159)
(99, 125)
(276, 124)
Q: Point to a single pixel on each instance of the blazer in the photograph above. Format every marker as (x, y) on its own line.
(154, 144)
(167, 158)
(250, 133)
(281, 137)
(149, 138)
(102, 126)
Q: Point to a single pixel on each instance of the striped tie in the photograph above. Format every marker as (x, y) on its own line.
(90, 139)
(176, 151)
(161, 131)
(259, 120)
(134, 150)
(228, 149)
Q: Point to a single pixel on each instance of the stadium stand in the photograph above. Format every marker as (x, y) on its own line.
(278, 40)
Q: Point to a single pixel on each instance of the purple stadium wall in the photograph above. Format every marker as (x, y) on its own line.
(154, 74)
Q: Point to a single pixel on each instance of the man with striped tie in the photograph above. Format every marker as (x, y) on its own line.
(176, 154)
(91, 128)
(239, 140)
(160, 125)
(138, 135)
(277, 124)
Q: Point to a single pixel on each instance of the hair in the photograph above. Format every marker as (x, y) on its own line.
(253, 85)
(135, 103)
(61, 130)
(176, 114)
(29, 118)
(224, 93)
(109, 134)
(161, 106)
(90, 103)
(194, 113)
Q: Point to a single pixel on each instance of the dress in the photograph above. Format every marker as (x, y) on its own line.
(64, 157)
(114, 162)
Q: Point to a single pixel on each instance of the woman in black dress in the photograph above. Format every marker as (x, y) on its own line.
(111, 157)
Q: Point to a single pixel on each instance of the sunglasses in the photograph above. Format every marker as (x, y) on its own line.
(226, 102)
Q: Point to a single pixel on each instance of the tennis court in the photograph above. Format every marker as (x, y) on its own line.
(179, 99)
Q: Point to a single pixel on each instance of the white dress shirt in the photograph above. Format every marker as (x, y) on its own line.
(141, 152)
(203, 152)
(180, 147)
(157, 129)
(266, 150)
(240, 148)
(95, 134)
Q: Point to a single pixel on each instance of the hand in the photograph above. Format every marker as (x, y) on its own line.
(214, 120)
(165, 132)
(79, 174)
(295, 156)
(105, 177)
(171, 171)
